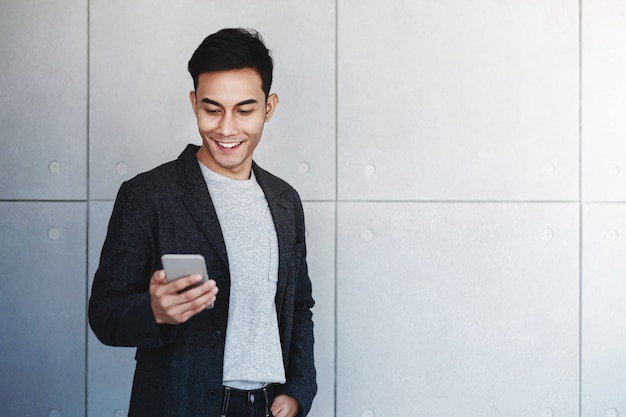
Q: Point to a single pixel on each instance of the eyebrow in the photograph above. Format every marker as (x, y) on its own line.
(241, 103)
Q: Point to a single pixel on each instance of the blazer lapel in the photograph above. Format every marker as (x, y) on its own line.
(282, 211)
(198, 201)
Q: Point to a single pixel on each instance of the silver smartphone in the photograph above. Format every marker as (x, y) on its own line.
(181, 265)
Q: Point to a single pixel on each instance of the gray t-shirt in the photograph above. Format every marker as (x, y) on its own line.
(252, 356)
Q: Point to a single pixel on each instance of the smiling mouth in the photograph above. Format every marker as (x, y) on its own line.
(229, 145)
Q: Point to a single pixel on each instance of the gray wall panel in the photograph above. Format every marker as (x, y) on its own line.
(320, 225)
(140, 113)
(604, 100)
(43, 79)
(603, 310)
(458, 100)
(42, 314)
(111, 369)
(457, 309)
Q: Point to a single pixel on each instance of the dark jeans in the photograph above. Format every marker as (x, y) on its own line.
(238, 403)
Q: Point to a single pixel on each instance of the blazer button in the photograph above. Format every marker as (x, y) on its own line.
(213, 394)
(221, 282)
(216, 334)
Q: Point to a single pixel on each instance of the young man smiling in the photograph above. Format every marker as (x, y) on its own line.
(231, 109)
(251, 354)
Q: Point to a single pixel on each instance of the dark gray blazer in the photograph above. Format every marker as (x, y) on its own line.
(179, 368)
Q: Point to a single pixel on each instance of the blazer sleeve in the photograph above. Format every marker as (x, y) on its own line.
(119, 306)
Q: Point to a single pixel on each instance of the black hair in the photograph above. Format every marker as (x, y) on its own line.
(230, 49)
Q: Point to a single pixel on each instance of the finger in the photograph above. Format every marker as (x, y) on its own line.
(200, 297)
(278, 412)
(192, 298)
(284, 406)
(276, 409)
(184, 311)
(177, 307)
(158, 284)
(194, 290)
(159, 277)
(181, 284)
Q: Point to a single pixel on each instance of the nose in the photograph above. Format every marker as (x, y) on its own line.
(228, 125)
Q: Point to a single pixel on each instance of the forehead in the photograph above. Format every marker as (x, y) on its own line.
(235, 83)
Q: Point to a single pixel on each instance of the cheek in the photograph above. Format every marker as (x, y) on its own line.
(254, 126)
(205, 124)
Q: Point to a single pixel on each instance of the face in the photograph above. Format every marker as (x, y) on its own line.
(231, 110)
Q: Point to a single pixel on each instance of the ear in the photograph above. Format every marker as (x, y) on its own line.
(192, 98)
(270, 106)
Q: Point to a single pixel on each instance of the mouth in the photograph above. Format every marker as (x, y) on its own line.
(229, 145)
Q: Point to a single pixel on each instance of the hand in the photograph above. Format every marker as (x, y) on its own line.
(285, 406)
(171, 306)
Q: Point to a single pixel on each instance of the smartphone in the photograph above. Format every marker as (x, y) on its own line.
(181, 265)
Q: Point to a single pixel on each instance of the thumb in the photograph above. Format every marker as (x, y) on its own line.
(158, 277)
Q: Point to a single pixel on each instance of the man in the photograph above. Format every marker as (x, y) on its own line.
(240, 344)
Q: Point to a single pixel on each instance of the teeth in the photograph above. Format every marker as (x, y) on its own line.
(229, 145)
